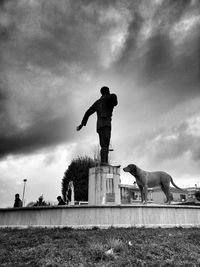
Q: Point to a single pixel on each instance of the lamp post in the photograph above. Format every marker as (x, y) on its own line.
(23, 202)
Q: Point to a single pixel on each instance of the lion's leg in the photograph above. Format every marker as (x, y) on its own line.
(145, 194)
(141, 192)
(166, 190)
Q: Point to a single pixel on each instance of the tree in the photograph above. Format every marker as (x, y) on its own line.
(78, 172)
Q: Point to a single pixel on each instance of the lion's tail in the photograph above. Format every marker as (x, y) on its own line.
(175, 185)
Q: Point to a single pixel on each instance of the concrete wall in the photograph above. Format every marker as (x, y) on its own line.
(101, 216)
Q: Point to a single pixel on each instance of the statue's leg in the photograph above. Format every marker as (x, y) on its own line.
(104, 155)
(104, 138)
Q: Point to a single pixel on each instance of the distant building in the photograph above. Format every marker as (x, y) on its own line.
(191, 193)
(177, 195)
(131, 194)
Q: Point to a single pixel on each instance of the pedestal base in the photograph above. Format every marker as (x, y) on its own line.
(103, 186)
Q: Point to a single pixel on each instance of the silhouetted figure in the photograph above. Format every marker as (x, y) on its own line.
(60, 201)
(40, 202)
(103, 107)
(18, 203)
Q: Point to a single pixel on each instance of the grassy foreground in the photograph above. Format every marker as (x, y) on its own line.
(110, 247)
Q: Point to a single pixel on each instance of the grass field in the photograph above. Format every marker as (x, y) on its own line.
(109, 247)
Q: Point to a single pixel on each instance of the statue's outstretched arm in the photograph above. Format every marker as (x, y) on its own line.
(88, 113)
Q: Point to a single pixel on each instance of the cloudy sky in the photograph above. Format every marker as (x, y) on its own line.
(54, 58)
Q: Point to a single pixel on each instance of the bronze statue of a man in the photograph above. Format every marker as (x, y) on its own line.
(103, 107)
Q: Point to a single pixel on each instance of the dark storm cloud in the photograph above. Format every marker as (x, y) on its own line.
(172, 143)
(62, 32)
(163, 46)
(65, 39)
(36, 36)
(40, 135)
(43, 40)
(71, 31)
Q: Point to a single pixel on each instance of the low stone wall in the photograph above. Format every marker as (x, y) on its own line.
(102, 216)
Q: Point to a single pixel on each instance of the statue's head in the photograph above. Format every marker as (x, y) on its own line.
(105, 90)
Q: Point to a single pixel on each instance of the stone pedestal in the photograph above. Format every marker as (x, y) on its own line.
(103, 186)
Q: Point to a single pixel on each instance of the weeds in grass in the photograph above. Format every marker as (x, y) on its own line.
(116, 244)
(98, 247)
(97, 251)
(106, 251)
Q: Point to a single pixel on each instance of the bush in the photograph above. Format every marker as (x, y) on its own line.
(78, 173)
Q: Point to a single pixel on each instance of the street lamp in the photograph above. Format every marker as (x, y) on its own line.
(23, 202)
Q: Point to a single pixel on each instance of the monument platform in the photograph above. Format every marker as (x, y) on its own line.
(103, 216)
